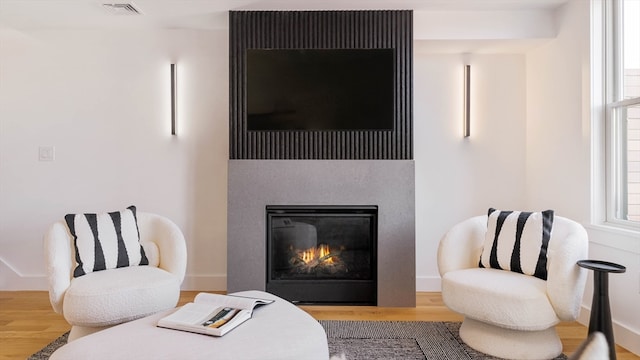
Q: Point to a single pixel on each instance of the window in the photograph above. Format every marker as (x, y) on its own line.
(622, 97)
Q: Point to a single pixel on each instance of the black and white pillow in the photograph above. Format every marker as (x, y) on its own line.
(106, 241)
(517, 241)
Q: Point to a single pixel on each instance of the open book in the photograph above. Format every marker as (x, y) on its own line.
(212, 314)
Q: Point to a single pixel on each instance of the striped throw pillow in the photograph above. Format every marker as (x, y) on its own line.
(517, 241)
(106, 241)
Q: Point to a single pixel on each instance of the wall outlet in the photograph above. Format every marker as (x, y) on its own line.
(46, 153)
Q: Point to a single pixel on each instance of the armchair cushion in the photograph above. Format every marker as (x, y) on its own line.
(517, 241)
(104, 298)
(106, 241)
(502, 298)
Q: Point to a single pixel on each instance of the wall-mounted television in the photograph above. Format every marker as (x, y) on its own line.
(320, 89)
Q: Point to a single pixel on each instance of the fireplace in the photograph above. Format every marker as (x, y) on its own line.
(322, 254)
(256, 184)
(325, 166)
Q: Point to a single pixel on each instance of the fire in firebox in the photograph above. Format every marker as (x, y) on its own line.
(320, 259)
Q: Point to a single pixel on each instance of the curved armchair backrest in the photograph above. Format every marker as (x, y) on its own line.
(160, 237)
(461, 246)
(168, 238)
(566, 280)
(59, 260)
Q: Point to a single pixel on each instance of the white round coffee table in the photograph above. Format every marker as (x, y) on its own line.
(276, 331)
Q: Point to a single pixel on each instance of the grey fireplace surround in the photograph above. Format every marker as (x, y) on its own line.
(254, 184)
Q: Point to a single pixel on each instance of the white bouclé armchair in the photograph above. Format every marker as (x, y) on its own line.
(105, 298)
(508, 314)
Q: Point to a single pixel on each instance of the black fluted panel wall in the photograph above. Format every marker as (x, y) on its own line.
(385, 29)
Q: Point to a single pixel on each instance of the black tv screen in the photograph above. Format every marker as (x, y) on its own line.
(320, 89)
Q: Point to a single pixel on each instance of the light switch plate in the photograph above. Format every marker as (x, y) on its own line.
(46, 153)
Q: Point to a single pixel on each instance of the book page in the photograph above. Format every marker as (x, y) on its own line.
(224, 316)
(192, 313)
(212, 314)
(229, 300)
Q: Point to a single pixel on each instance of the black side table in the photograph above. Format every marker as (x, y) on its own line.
(600, 319)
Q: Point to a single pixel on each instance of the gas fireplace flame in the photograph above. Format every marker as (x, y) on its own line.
(320, 258)
(320, 253)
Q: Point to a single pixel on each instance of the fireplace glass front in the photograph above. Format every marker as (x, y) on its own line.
(322, 254)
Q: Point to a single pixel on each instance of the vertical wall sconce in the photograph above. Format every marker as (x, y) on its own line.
(174, 98)
(467, 101)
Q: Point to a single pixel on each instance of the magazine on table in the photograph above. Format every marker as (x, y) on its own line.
(212, 314)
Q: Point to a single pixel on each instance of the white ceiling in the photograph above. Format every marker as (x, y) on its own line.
(211, 14)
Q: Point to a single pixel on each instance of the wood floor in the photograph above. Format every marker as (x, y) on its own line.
(28, 323)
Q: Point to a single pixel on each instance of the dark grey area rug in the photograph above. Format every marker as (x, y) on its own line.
(376, 340)
(46, 351)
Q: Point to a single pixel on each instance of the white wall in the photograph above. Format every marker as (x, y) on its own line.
(559, 164)
(102, 99)
(458, 177)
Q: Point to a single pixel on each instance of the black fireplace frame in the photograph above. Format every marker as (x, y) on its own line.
(325, 291)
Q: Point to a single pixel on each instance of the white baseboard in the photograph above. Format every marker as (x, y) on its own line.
(11, 279)
(428, 284)
(624, 336)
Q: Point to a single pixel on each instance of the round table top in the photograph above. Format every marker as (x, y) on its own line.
(604, 266)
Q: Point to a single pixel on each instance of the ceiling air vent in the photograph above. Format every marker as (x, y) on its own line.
(121, 9)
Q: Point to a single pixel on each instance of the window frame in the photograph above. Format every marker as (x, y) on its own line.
(615, 106)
